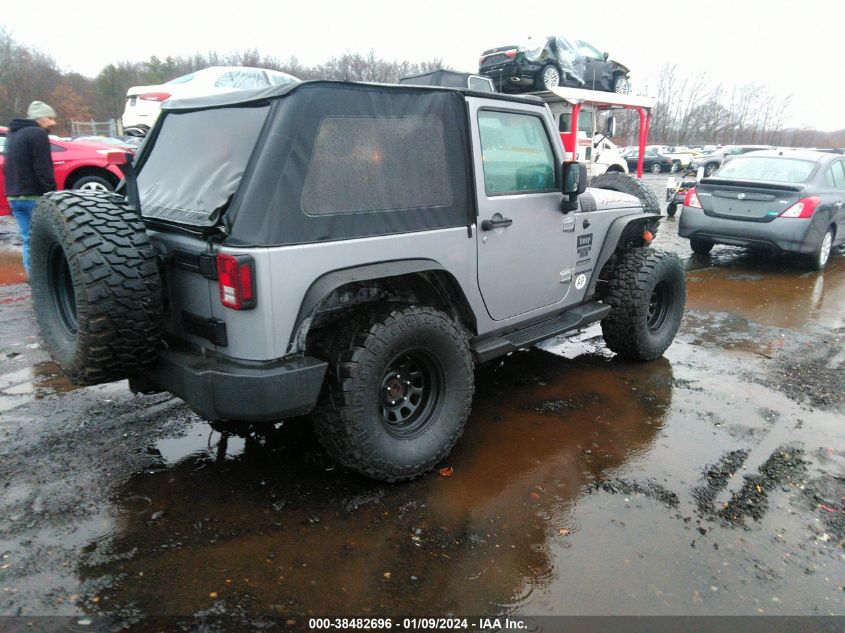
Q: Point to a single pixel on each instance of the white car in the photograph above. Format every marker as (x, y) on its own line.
(143, 103)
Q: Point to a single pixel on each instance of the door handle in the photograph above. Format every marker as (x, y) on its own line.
(489, 225)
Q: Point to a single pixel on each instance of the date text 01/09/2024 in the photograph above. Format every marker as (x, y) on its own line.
(411, 624)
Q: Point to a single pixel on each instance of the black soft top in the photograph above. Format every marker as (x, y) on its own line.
(312, 161)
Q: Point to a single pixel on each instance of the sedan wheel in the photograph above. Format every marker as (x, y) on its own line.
(820, 258)
(622, 85)
(655, 168)
(93, 183)
(551, 76)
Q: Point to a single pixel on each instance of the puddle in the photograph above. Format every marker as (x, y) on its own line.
(32, 383)
(574, 482)
(778, 299)
(198, 443)
(273, 518)
(11, 268)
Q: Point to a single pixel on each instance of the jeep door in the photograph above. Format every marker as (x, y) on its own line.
(524, 242)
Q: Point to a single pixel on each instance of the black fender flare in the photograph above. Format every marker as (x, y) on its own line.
(620, 229)
(327, 283)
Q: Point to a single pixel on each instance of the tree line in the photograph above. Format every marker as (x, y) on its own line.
(690, 109)
(27, 74)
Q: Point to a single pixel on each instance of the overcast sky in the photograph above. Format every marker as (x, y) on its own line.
(791, 47)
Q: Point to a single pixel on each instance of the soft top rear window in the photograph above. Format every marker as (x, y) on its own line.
(768, 169)
(197, 162)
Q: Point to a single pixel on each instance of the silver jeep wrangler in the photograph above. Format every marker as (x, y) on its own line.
(346, 250)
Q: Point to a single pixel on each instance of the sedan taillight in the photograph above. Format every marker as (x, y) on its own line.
(511, 53)
(155, 96)
(691, 199)
(804, 208)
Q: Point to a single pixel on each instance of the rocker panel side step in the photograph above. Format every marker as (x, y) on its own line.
(487, 348)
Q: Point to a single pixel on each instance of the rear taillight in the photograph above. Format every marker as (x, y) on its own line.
(236, 281)
(155, 96)
(691, 199)
(804, 208)
(511, 53)
(481, 60)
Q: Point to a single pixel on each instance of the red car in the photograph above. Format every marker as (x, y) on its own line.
(77, 165)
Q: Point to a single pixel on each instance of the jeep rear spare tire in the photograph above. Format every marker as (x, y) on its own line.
(397, 394)
(95, 286)
(647, 293)
(623, 183)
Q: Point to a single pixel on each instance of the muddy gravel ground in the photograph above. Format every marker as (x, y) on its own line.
(711, 481)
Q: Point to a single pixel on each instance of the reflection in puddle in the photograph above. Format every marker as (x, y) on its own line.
(11, 268)
(770, 291)
(32, 383)
(277, 528)
(199, 442)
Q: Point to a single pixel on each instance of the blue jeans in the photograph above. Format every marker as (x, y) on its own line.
(22, 210)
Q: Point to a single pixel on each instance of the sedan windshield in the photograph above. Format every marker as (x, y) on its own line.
(768, 169)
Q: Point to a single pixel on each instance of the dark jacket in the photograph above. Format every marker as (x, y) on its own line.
(29, 166)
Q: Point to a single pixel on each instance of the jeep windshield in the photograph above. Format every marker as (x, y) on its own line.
(196, 162)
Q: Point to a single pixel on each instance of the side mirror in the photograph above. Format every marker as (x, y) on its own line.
(573, 184)
(610, 130)
(606, 56)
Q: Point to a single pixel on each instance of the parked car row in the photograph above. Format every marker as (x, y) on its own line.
(712, 161)
(76, 164)
(653, 160)
(786, 200)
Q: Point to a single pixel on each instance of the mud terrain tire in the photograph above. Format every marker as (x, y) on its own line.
(96, 288)
(647, 293)
(397, 393)
(624, 183)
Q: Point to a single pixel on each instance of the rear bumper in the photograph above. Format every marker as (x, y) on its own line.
(792, 235)
(219, 388)
(511, 74)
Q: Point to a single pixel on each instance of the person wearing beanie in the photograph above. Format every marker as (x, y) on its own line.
(29, 166)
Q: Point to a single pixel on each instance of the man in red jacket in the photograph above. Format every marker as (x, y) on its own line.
(29, 166)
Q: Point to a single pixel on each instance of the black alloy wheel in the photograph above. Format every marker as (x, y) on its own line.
(410, 393)
(658, 306)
